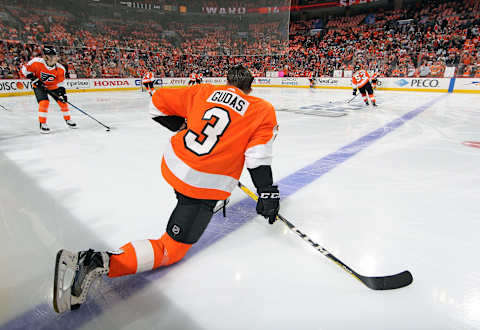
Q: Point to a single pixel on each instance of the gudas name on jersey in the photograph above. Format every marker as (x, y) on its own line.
(230, 100)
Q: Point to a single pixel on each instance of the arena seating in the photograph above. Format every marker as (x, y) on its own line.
(418, 41)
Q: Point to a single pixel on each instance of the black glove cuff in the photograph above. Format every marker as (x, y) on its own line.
(61, 91)
(261, 176)
(173, 123)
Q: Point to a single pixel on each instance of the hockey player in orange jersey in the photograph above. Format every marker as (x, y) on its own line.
(219, 129)
(47, 74)
(374, 78)
(147, 81)
(361, 80)
(193, 79)
(199, 78)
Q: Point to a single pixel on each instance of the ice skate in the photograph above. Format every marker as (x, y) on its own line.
(70, 123)
(44, 128)
(74, 274)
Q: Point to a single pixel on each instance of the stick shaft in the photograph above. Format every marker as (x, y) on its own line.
(77, 108)
(388, 282)
(317, 246)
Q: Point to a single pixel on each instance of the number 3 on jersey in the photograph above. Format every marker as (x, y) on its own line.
(202, 144)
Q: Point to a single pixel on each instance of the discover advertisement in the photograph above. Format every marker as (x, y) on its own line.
(12, 87)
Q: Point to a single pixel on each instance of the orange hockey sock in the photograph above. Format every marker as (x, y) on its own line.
(64, 108)
(43, 111)
(144, 255)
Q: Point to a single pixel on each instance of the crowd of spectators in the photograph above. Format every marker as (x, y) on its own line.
(417, 41)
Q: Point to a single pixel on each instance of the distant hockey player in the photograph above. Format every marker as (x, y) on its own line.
(219, 129)
(199, 78)
(311, 79)
(47, 74)
(361, 80)
(193, 79)
(147, 81)
(374, 78)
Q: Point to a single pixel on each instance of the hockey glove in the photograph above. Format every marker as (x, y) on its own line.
(62, 94)
(355, 91)
(36, 82)
(268, 203)
(173, 123)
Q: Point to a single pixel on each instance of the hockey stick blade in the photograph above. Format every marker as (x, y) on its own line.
(388, 282)
(391, 282)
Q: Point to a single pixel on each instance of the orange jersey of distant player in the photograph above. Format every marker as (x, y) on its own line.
(147, 77)
(193, 76)
(226, 129)
(51, 76)
(360, 78)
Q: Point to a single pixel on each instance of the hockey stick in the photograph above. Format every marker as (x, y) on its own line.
(4, 108)
(353, 98)
(86, 114)
(373, 282)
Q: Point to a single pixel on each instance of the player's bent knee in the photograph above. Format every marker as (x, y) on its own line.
(189, 219)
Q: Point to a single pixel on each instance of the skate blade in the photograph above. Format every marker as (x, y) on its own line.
(65, 264)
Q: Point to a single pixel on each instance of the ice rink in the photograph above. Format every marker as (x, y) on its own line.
(384, 189)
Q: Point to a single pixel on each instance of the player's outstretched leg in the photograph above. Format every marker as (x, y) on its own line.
(74, 274)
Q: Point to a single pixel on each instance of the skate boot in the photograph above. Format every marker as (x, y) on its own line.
(366, 103)
(70, 123)
(44, 128)
(374, 104)
(74, 274)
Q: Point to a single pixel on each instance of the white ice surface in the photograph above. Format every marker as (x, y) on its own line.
(408, 201)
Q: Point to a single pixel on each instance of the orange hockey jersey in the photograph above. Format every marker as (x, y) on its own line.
(360, 78)
(226, 129)
(147, 77)
(52, 77)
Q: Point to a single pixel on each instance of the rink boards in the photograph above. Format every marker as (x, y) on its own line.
(14, 87)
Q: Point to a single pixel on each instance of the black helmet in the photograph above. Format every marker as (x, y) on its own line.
(49, 50)
(239, 76)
